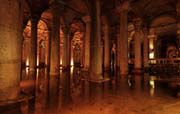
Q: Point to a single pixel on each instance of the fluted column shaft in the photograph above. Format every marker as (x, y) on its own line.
(10, 49)
(96, 47)
(87, 20)
(55, 40)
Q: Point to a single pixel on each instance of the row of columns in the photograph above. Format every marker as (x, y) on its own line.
(11, 38)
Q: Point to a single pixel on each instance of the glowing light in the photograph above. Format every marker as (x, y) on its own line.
(37, 61)
(27, 71)
(37, 73)
(61, 61)
(27, 62)
(151, 46)
(151, 83)
(151, 55)
(72, 62)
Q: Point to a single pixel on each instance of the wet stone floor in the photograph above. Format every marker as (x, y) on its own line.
(71, 93)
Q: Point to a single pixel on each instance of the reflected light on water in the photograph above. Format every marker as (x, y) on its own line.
(27, 71)
(152, 85)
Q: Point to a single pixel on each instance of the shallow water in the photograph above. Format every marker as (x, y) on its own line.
(68, 94)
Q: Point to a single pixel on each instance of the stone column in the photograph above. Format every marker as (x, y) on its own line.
(87, 20)
(145, 48)
(123, 38)
(137, 45)
(10, 49)
(33, 43)
(118, 53)
(151, 42)
(55, 40)
(96, 46)
(106, 48)
(178, 24)
(66, 49)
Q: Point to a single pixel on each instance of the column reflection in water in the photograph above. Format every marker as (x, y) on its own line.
(96, 91)
(53, 93)
(152, 85)
(32, 90)
(66, 86)
(41, 91)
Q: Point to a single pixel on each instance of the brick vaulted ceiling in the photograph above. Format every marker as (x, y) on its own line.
(145, 9)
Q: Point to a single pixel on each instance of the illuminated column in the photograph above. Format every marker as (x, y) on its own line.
(151, 37)
(96, 45)
(145, 48)
(66, 49)
(123, 38)
(87, 20)
(178, 23)
(33, 43)
(55, 40)
(137, 44)
(106, 47)
(26, 51)
(10, 49)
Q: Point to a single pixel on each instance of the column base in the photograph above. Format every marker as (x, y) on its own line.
(66, 68)
(146, 69)
(85, 69)
(22, 98)
(106, 69)
(97, 80)
(137, 71)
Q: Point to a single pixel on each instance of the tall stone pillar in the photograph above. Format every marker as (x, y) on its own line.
(55, 40)
(66, 49)
(145, 48)
(33, 43)
(10, 49)
(96, 45)
(106, 48)
(123, 38)
(137, 44)
(178, 23)
(87, 20)
(118, 52)
(152, 39)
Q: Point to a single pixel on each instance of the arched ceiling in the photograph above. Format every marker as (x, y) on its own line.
(148, 10)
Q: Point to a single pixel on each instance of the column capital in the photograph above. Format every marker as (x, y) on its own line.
(178, 10)
(145, 30)
(65, 29)
(124, 7)
(56, 7)
(86, 19)
(35, 17)
(137, 24)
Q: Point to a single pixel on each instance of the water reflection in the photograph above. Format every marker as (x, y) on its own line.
(70, 91)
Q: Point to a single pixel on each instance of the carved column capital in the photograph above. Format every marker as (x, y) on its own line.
(56, 7)
(86, 19)
(124, 7)
(137, 24)
(178, 7)
(35, 18)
